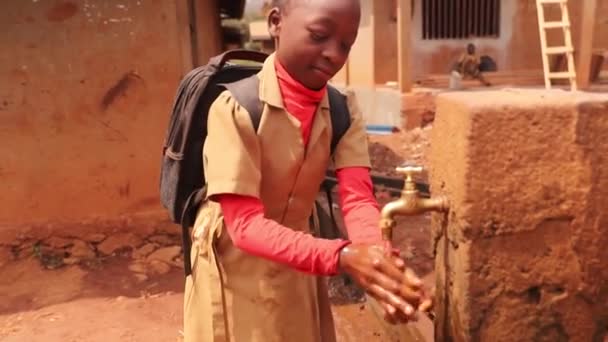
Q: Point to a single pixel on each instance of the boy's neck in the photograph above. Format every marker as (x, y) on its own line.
(280, 67)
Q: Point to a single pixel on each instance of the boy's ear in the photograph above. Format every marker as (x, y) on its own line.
(274, 22)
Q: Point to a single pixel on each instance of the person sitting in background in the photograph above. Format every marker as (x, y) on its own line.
(467, 67)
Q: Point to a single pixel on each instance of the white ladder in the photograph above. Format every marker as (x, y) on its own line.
(567, 49)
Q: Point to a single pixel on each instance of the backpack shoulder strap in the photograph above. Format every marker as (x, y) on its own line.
(246, 93)
(340, 115)
(340, 122)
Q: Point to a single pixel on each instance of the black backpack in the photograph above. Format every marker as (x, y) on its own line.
(182, 183)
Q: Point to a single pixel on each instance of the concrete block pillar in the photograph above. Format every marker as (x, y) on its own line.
(361, 65)
(523, 253)
(207, 30)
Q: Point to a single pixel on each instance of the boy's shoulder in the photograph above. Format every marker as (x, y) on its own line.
(224, 101)
(227, 107)
(350, 97)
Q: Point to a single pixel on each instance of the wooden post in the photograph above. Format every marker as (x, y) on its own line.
(404, 23)
(184, 23)
(207, 30)
(586, 42)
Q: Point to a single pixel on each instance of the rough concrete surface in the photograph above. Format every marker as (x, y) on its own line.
(418, 108)
(522, 254)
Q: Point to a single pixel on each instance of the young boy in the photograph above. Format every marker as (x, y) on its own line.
(468, 66)
(256, 269)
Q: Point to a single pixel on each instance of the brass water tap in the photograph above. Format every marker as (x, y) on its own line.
(410, 203)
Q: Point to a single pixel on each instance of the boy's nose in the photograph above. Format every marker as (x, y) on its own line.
(333, 53)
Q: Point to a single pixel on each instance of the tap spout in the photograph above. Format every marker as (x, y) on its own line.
(408, 205)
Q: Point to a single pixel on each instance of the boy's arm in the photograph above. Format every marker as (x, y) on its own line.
(359, 205)
(352, 163)
(251, 232)
(461, 59)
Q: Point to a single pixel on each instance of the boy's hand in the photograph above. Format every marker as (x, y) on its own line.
(382, 275)
(427, 303)
(419, 300)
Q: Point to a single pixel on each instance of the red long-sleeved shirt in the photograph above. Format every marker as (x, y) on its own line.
(257, 235)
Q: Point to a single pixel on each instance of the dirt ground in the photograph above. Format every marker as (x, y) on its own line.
(120, 288)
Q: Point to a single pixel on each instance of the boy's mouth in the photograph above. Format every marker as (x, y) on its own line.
(323, 72)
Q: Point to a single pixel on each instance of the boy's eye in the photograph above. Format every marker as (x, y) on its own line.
(345, 47)
(317, 36)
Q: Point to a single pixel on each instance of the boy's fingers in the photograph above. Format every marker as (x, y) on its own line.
(401, 317)
(412, 280)
(399, 263)
(411, 296)
(404, 287)
(394, 316)
(385, 282)
(390, 313)
(428, 302)
(426, 305)
(390, 269)
(388, 297)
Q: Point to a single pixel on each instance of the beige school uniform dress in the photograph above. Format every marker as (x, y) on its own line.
(232, 295)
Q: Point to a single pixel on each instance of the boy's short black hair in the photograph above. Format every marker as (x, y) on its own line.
(282, 4)
(279, 3)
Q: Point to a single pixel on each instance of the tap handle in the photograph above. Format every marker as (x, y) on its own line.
(409, 171)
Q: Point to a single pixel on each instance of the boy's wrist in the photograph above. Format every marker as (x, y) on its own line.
(341, 257)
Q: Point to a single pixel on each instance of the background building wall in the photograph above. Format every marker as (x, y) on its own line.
(85, 93)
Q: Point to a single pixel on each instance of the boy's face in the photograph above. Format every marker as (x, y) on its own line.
(471, 49)
(314, 37)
